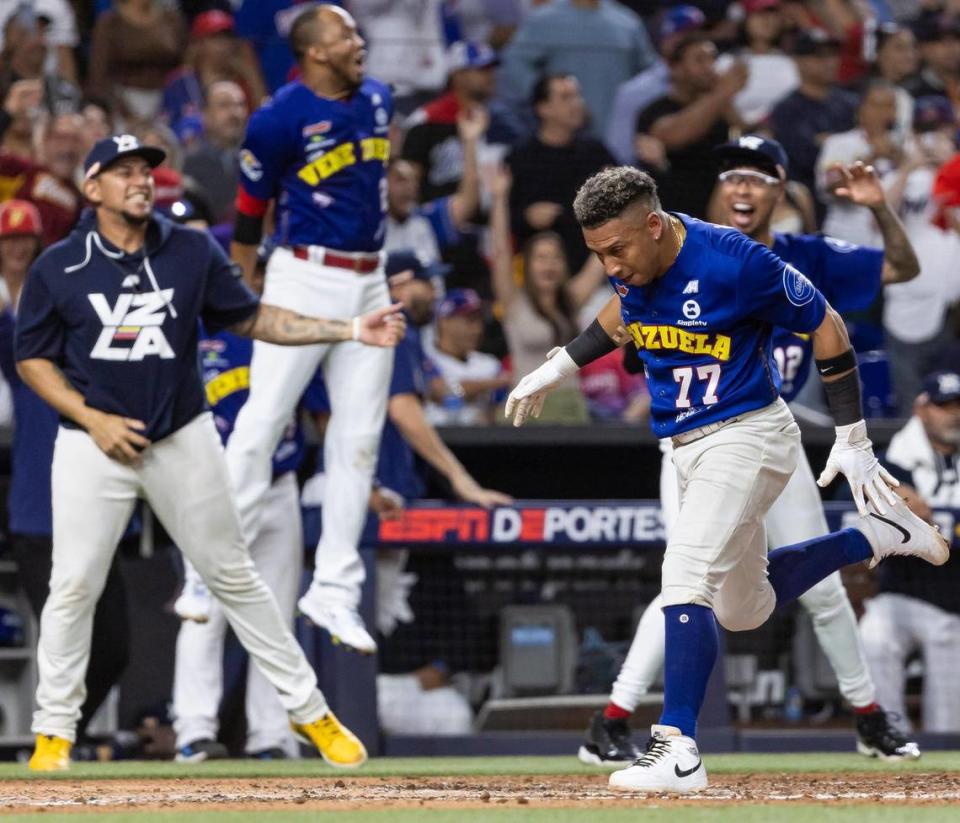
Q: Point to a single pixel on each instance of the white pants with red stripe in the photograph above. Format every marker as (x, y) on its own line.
(184, 480)
(795, 516)
(357, 378)
(198, 674)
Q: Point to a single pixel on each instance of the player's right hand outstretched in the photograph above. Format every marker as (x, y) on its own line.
(527, 398)
(383, 327)
(118, 437)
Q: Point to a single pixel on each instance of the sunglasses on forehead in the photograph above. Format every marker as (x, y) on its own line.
(752, 178)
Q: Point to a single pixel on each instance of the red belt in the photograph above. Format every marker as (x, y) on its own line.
(361, 264)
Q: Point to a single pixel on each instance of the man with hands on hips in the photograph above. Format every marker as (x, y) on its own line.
(699, 302)
(107, 335)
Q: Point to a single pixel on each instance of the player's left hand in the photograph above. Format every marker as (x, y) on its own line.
(470, 491)
(852, 456)
(383, 327)
(859, 184)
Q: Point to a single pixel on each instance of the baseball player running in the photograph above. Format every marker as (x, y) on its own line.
(715, 393)
(753, 171)
(319, 149)
(107, 335)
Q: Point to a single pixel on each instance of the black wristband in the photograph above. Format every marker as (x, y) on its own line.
(591, 344)
(843, 398)
(247, 230)
(837, 365)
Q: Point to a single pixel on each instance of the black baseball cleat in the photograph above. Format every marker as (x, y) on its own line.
(878, 737)
(200, 750)
(608, 743)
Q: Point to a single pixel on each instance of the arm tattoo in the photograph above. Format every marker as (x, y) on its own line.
(898, 255)
(283, 327)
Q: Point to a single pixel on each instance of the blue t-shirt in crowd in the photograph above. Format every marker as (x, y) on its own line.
(123, 327)
(225, 364)
(849, 277)
(324, 160)
(703, 329)
(35, 430)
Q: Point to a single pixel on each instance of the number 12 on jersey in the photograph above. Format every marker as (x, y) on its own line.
(684, 376)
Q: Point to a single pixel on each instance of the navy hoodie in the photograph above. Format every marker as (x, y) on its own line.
(123, 327)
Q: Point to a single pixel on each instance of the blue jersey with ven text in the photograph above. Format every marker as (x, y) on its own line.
(703, 329)
(324, 162)
(847, 275)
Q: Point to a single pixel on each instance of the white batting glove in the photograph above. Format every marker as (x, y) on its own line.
(852, 456)
(527, 398)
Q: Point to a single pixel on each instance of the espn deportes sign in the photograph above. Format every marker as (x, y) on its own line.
(566, 523)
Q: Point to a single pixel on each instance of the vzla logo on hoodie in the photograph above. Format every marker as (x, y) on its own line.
(136, 319)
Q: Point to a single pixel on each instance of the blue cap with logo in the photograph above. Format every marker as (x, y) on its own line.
(753, 150)
(680, 20)
(459, 302)
(466, 54)
(108, 151)
(407, 260)
(942, 386)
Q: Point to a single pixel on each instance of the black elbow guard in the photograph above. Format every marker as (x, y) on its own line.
(247, 230)
(591, 344)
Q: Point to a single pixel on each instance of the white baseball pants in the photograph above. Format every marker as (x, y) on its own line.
(894, 627)
(795, 516)
(184, 479)
(358, 381)
(198, 674)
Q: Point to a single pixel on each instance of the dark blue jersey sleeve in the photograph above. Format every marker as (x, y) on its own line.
(263, 156)
(776, 292)
(40, 330)
(226, 299)
(851, 275)
(407, 368)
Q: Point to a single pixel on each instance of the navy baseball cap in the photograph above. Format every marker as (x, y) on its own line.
(106, 152)
(459, 302)
(407, 260)
(466, 54)
(931, 111)
(680, 20)
(753, 150)
(942, 386)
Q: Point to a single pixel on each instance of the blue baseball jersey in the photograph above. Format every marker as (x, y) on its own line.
(225, 366)
(123, 327)
(29, 505)
(324, 162)
(849, 277)
(703, 329)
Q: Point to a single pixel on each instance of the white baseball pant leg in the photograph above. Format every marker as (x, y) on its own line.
(717, 553)
(357, 379)
(198, 674)
(796, 516)
(93, 498)
(893, 627)
(405, 707)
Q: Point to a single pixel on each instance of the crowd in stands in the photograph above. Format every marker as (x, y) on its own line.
(504, 107)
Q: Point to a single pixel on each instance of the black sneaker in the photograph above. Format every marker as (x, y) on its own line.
(608, 743)
(273, 753)
(201, 750)
(878, 737)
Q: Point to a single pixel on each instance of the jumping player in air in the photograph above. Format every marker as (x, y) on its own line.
(107, 335)
(752, 179)
(700, 303)
(319, 150)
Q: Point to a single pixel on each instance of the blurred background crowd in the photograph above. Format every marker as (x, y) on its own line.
(503, 108)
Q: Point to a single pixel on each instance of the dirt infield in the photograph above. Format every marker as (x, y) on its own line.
(373, 793)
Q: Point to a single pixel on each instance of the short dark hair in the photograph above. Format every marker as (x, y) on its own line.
(612, 191)
(677, 50)
(303, 32)
(541, 89)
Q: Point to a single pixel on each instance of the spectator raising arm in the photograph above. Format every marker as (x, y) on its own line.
(471, 126)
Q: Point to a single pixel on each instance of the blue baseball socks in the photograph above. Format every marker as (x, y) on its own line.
(691, 651)
(794, 569)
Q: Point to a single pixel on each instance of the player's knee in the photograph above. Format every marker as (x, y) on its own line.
(740, 617)
(74, 593)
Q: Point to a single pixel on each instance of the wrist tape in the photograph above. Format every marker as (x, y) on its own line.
(591, 344)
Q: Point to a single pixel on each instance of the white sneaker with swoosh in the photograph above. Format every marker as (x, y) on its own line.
(671, 763)
(899, 531)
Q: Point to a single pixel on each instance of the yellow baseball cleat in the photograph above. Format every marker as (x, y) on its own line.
(336, 743)
(51, 754)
